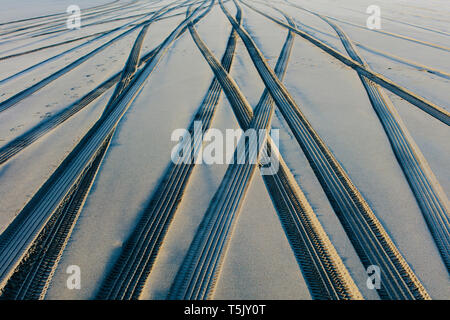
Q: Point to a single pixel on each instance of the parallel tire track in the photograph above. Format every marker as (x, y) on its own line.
(84, 58)
(33, 275)
(58, 23)
(129, 273)
(97, 36)
(117, 17)
(427, 189)
(370, 239)
(56, 14)
(387, 55)
(8, 103)
(197, 275)
(20, 143)
(395, 35)
(14, 55)
(324, 271)
(131, 64)
(432, 109)
(17, 239)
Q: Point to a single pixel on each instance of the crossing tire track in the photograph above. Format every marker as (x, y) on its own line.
(368, 236)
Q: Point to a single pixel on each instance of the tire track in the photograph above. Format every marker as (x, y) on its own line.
(56, 14)
(17, 239)
(20, 143)
(432, 109)
(14, 55)
(394, 35)
(33, 275)
(92, 53)
(128, 275)
(50, 46)
(62, 31)
(118, 17)
(84, 26)
(8, 103)
(427, 189)
(390, 56)
(104, 21)
(419, 27)
(324, 271)
(57, 23)
(130, 66)
(370, 239)
(416, 65)
(404, 23)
